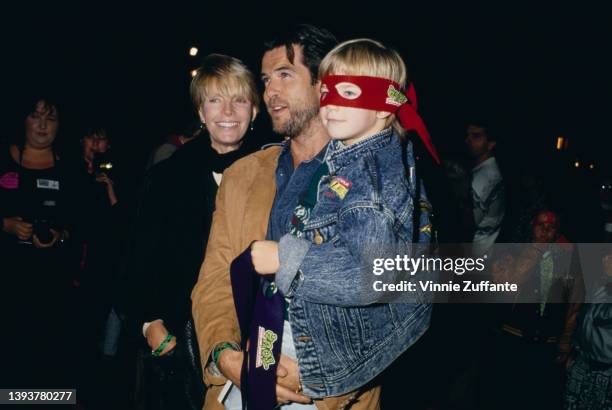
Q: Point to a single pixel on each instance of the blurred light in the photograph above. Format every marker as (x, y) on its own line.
(193, 51)
(577, 164)
(592, 166)
(562, 143)
(194, 72)
(559, 143)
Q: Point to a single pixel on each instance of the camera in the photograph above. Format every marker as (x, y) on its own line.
(42, 229)
(102, 163)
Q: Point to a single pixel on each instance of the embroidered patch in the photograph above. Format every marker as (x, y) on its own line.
(425, 206)
(47, 184)
(265, 343)
(395, 97)
(426, 229)
(300, 216)
(340, 186)
(329, 195)
(10, 180)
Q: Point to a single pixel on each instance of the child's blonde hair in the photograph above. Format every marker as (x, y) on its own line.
(364, 56)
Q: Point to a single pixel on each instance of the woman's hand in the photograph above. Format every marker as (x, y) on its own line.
(156, 333)
(110, 190)
(265, 257)
(16, 226)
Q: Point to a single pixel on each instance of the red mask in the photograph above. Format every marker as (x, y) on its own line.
(380, 94)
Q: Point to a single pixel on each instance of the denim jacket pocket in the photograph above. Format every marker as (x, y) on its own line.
(322, 229)
(355, 333)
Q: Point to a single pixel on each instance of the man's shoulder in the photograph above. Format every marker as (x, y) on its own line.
(265, 158)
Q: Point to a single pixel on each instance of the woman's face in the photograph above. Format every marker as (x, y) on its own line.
(227, 119)
(41, 125)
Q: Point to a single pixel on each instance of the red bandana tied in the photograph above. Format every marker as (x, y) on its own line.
(380, 94)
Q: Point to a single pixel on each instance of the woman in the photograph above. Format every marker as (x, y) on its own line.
(173, 221)
(34, 206)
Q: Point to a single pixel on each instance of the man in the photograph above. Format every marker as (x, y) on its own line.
(174, 142)
(487, 188)
(256, 200)
(101, 218)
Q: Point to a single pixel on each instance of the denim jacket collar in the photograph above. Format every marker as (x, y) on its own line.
(339, 155)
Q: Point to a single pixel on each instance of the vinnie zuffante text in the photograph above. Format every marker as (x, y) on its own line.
(458, 266)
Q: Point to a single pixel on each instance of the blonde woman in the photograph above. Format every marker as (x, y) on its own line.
(173, 222)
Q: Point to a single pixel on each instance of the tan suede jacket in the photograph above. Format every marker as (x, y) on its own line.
(243, 205)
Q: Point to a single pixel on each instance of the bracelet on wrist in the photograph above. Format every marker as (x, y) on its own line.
(220, 348)
(162, 346)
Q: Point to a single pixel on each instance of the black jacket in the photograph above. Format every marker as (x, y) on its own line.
(168, 239)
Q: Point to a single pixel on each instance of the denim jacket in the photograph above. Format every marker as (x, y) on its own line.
(343, 336)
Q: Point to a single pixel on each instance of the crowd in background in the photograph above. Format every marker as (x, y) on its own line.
(85, 258)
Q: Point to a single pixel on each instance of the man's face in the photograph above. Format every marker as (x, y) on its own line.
(545, 228)
(290, 97)
(477, 143)
(93, 145)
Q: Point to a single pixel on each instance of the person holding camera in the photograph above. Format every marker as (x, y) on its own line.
(34, 201)
(97, 159)
(96, 246)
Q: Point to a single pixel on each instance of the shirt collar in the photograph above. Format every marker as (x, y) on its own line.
(339, 155)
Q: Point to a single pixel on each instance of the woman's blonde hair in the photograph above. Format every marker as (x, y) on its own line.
(228, 74)
(364, 56)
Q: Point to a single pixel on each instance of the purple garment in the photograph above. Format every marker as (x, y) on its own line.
(260, 311)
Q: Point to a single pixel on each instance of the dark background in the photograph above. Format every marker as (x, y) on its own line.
(534, 72)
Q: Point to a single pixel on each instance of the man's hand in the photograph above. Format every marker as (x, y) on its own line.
(265, 257)
(287, 380)
(110, 190)
(156, 333)
(16, 226)
(230, 365)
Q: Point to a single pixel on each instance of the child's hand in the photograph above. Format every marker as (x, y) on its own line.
(265, 257)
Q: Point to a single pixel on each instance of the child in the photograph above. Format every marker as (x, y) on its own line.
(359, 198)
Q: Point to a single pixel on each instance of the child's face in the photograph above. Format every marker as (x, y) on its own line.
(349, 124)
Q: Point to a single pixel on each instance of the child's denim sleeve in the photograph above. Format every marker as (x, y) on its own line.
(339, 271)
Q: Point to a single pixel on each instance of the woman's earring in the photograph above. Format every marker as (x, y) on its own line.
(202, 125)
(251, 126)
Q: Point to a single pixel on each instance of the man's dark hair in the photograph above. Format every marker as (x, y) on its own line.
(487, 125)
(316, 43)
